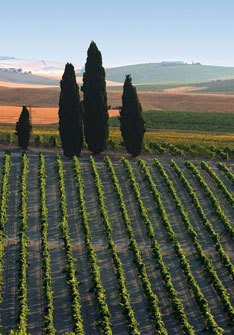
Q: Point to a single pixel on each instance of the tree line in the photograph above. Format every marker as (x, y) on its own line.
(87, 119)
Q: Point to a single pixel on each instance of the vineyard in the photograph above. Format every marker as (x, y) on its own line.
(108, 245)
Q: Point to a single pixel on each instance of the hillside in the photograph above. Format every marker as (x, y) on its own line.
(161, 74)
(179, 73)
(33, 65)
(26, 78)
(217, 86)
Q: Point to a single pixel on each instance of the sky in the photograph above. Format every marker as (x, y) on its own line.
(125, 31)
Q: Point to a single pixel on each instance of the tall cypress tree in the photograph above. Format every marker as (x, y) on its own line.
(95, 101)
(23, 128)
(131, 122)
(70, 114)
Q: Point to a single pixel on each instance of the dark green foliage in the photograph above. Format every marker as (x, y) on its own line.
(212, 122)
(95, 102)
(70, 115)
(131, 122)
(23, 128)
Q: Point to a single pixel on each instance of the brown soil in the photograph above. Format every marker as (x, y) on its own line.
(49, 97)
(41, 116)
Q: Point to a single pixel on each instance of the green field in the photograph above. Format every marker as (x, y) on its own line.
(193, 121)
(170, 73)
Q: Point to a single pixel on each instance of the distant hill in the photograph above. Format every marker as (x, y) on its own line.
(26, 78)
(217, 86)
(34, 65)
(162, 75)
(169, 73)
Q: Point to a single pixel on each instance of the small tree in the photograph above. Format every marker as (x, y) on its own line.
(23, 128)
(95, 102)
(70, 114)
(131, 122)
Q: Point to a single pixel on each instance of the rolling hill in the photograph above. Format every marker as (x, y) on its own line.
(217, 86)
(153, 76)
(170, 73)
(26, 78)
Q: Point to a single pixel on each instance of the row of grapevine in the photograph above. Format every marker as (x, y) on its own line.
(227, 171)
(167, 280)
(208, 225)
(184, 263)
(219, 182)
(3, 213)
(23, 265)
(207, 263)
(123, 292)
(70, 266)
(152, 298)
(209, 194)
(104, 317)
(47, 281)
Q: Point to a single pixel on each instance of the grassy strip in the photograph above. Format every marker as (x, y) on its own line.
(104, 317)
(152, 298)
(47, 281)
(3, 213)
(208, 225)
(202, 303)
(207, 263)
(227, 172)
(70, 266)
(123, 292)
(167, 280)
(214, 201)
(219, 182)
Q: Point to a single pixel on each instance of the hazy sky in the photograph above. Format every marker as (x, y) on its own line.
(126, 32)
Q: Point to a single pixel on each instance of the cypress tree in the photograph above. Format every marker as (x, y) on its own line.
(23, 128)
(131, 122)
(95, 101)
(70, 114)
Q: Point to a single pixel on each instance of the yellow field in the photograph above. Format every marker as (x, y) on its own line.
(186, 138)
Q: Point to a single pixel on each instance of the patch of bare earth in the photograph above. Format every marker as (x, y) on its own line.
(39, 116)
(183, 89)
(49, 98)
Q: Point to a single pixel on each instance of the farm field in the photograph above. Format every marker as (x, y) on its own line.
(116, 246)
(150, 100)
(183, 120)
(39, 115)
